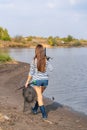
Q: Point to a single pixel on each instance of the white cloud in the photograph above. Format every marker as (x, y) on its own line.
(76, 2)
(30, 16)
(72, 2)
(51, 5)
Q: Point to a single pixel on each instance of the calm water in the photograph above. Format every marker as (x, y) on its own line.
(68, 81)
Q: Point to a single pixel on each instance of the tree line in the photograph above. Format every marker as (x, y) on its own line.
(32, 40)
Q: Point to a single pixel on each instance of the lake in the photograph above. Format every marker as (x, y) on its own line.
(68, 81)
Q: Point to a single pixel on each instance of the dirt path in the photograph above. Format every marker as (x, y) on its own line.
(13, 76)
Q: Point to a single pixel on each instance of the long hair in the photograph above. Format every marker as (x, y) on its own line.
(41, 58)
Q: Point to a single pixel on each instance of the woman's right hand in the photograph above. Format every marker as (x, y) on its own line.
(27, 82)
(26, 85)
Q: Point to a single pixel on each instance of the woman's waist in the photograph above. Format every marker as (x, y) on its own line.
(37, 77)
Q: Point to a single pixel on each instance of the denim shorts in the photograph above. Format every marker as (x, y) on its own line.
(40, 83)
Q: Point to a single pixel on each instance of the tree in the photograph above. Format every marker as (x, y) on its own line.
(4, 34)
(52, 41)
(1, 32)
(69, 38)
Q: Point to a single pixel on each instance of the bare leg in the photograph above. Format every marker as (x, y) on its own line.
(42, 89)
(39, 91)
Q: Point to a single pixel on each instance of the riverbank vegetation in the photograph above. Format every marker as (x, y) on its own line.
(4, 57)
(31, 41)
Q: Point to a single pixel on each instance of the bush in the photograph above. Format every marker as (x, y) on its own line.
(52, 41)
(5, 57)
(67, 39)
(18, 38)
(77, 43)
(29, 38)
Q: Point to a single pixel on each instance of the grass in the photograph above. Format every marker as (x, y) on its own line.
(4, 57)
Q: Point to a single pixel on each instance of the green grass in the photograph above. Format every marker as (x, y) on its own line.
(4, 57)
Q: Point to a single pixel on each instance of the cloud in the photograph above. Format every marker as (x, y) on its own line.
(50, 17)
(77, 2)
(51, 5)
(72, 2)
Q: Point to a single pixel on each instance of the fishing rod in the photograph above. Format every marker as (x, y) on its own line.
(48, 57)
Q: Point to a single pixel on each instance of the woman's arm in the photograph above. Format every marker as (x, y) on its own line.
(31, 73)
(28, 80)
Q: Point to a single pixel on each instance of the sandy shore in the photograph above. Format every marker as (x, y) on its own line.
(13, 76)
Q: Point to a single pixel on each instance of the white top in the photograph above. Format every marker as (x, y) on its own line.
(37, 75)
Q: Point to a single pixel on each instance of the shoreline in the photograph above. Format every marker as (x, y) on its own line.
(7, 44)
(49, 47)
(12, 76)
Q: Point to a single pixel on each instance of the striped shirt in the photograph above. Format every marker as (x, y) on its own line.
(37, 75)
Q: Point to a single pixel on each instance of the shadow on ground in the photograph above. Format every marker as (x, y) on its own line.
(53, 106)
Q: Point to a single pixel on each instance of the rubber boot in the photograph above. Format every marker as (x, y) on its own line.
(35, 108)
(44, 115)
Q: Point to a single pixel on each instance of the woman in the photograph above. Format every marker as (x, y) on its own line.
(39, 77)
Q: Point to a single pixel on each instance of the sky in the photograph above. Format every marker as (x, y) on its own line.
(44, 18)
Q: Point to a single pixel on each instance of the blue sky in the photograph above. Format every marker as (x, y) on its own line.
(44, 17)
